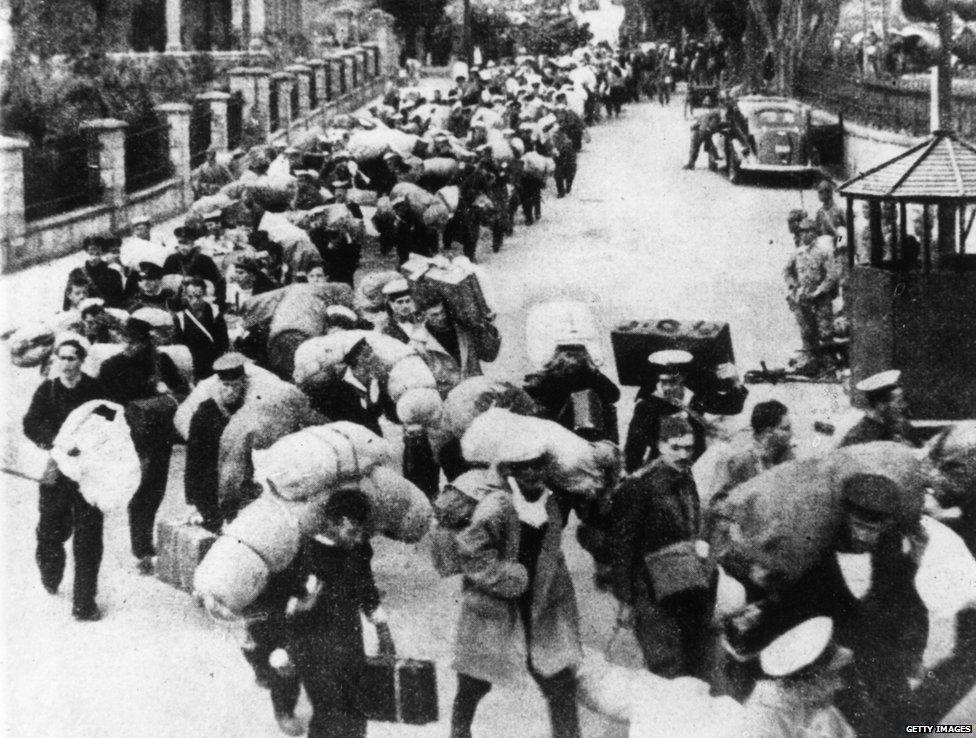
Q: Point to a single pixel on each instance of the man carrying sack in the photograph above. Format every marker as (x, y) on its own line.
(659, 569)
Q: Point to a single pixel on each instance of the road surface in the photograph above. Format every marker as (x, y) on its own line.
(638, 237)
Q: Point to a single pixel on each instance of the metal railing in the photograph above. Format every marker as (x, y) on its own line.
(200, 133)
(147, 159)
(61, 176)
(902, 106)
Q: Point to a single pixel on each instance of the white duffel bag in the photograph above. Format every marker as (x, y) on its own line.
(94, 448)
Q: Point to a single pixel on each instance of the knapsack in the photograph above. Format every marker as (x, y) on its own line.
(453, 508)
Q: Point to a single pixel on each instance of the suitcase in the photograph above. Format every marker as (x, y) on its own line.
(709, 343)
(458, 288)
(181, 547)
(396, 690)
(584, 414)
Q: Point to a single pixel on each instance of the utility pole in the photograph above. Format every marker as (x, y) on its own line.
(864, 38)
(945, 69)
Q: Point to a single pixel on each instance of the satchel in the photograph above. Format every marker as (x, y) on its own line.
(395, 690)
(676, 568)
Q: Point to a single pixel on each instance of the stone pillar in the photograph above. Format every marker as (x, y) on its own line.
(256, 30)
(217, 102)
(386, 40)
(174, 25)
(303, 78)
(321, 75)
(237, 20)
(177, 116)
(13, 226)
(372, 58)
(362, 65)
(109, 137)
(335, 77)
(254, 84)
(284, 82)
(348, 72)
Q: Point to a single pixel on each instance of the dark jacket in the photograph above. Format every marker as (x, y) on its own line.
(126, 378)
(867, 429)
(339, 400)
(103, 281)
(201, 478)
(53, 403)
(198, 265)
(553, 393)
(653, 508)
(206, 337)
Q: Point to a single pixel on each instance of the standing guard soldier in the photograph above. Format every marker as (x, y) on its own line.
(811, 282)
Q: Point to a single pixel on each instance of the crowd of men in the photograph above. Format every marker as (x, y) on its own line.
(836, 654)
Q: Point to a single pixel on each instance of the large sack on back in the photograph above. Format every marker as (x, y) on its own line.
(94, 448)
(257, 310)
(574, 465)
(787, 518)
(316, 357)
(410, 372)
(267, 527)
(303, 464)
(206, 204)
(302, 307)
(440, 166)
(261, 385)
(500, 148)
(363, 198)
(419, 406)
(32, 345)
(538, 166)
(257, 426)
(372, 144)
(232, 575)
(471, 398)
(418, 199)
(401, 511)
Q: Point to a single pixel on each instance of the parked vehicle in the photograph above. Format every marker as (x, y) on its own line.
(774, 135)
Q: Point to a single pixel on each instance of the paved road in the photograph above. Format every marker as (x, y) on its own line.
(638, 237)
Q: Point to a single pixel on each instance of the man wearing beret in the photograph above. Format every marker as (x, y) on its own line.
(147, 383)
(886, 418)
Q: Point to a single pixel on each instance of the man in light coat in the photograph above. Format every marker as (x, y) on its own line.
(518, 606)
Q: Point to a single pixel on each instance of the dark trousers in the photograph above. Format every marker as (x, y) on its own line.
(145, 502)
(565, 174)
(265, 636)
(63, 512)
(673, 635)
(464, 228)
(419, 464)
(531, 197)
(331, 677)
(699, 139)
(558, 689)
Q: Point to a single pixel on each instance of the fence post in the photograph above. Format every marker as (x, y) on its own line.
(284, 82)
(254, 84)
(372, 58)
(178, 119)
(302, 74)
(217, 102)
(318, 67)
(335, 76)
(109, 137)
(348, 72)
(13, 226)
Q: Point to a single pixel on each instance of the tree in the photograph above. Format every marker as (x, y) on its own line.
(789, 28)
(414, 17)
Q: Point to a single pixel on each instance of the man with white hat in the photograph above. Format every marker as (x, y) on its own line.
(886, 418)
(518, 605)
(404, 324)
(804, 669)
(665, 397)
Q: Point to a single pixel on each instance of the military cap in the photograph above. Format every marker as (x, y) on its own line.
(670, 359)
(137, 329)
(808, 644)
(396, 288)
(230, 365)
(879, 384)
(149, 270)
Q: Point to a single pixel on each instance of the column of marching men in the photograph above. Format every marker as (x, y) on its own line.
(802, 592)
